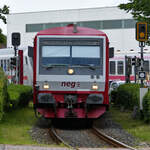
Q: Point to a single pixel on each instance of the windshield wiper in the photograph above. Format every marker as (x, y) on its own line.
(49, 66)
(91, 66)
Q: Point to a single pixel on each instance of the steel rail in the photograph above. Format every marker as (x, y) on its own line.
(110, 140)
(58, 139)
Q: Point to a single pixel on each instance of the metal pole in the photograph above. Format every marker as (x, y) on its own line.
(16, 72)
(142, 44)
(15, 48)
(135, 70)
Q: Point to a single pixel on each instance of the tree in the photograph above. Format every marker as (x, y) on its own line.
(2, 38)
(140, 9)
(3, 12)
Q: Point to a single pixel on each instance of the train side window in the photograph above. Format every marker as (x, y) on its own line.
(120, 67)
(112, 68)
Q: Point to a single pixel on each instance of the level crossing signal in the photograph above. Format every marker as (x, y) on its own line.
(136, 61)
(15, 39)
(141, 31)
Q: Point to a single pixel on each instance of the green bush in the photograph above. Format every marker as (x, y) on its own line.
(113, 95)
(3, 93)
(146, 107)
(127, 95)
(19, 95)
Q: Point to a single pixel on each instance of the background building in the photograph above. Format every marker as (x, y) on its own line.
(116, 23)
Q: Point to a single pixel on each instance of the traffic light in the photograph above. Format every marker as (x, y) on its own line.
(13, 61)
(141, 31)
(134, 61)
(138, 62)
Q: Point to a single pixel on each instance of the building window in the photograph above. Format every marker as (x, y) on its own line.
(105, 24)
(51, 25)
(91, 24)
(34, 27)
(112, 68)
(129, 23)
(120, 67)
(112, 24)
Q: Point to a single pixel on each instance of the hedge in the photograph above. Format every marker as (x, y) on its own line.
(146, 107)
(127, 95)
(3, 93)
(19, 95)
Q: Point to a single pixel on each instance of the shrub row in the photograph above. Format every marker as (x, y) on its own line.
(12, 96)
(3, 93)
(19, 95)
(146, 107)
(126, 95)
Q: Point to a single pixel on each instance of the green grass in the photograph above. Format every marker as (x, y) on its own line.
(14, 128)
(136, 127)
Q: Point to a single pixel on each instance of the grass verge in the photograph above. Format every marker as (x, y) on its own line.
(14, 128)
(135, 127)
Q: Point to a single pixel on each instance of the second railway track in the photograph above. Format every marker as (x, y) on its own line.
(107, 139)
(110, 140)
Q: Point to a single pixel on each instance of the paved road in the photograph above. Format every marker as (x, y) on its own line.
(25, 147)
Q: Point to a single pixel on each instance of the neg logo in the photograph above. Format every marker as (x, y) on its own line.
(70, 84)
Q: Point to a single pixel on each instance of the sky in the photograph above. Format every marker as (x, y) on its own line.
(20, 6)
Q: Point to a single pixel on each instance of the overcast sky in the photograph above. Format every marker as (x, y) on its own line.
(18, 6)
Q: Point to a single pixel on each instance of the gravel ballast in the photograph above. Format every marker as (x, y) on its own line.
(83, 138)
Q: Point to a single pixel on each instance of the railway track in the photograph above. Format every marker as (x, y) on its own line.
(110, 140)
(58, 139)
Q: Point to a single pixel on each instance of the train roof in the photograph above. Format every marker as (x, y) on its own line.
(6, 51)
(69, 30)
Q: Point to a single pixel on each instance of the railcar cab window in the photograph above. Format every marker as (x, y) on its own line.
(77, 53)
(86, 55)
(71, 55)
(55, 51)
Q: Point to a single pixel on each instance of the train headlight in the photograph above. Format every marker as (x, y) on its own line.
(46, 85)
(70, 71)
(95, 87)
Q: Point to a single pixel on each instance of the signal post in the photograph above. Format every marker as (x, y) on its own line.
(142, 37)
(16, 42)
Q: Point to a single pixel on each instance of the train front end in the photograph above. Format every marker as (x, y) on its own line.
(71, 73)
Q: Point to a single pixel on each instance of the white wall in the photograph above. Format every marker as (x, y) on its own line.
(121, 39)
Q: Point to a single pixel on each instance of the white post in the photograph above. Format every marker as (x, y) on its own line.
(143, 91)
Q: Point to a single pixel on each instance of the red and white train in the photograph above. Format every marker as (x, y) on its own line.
(71, 72)
(24, 62)
(117, 66)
